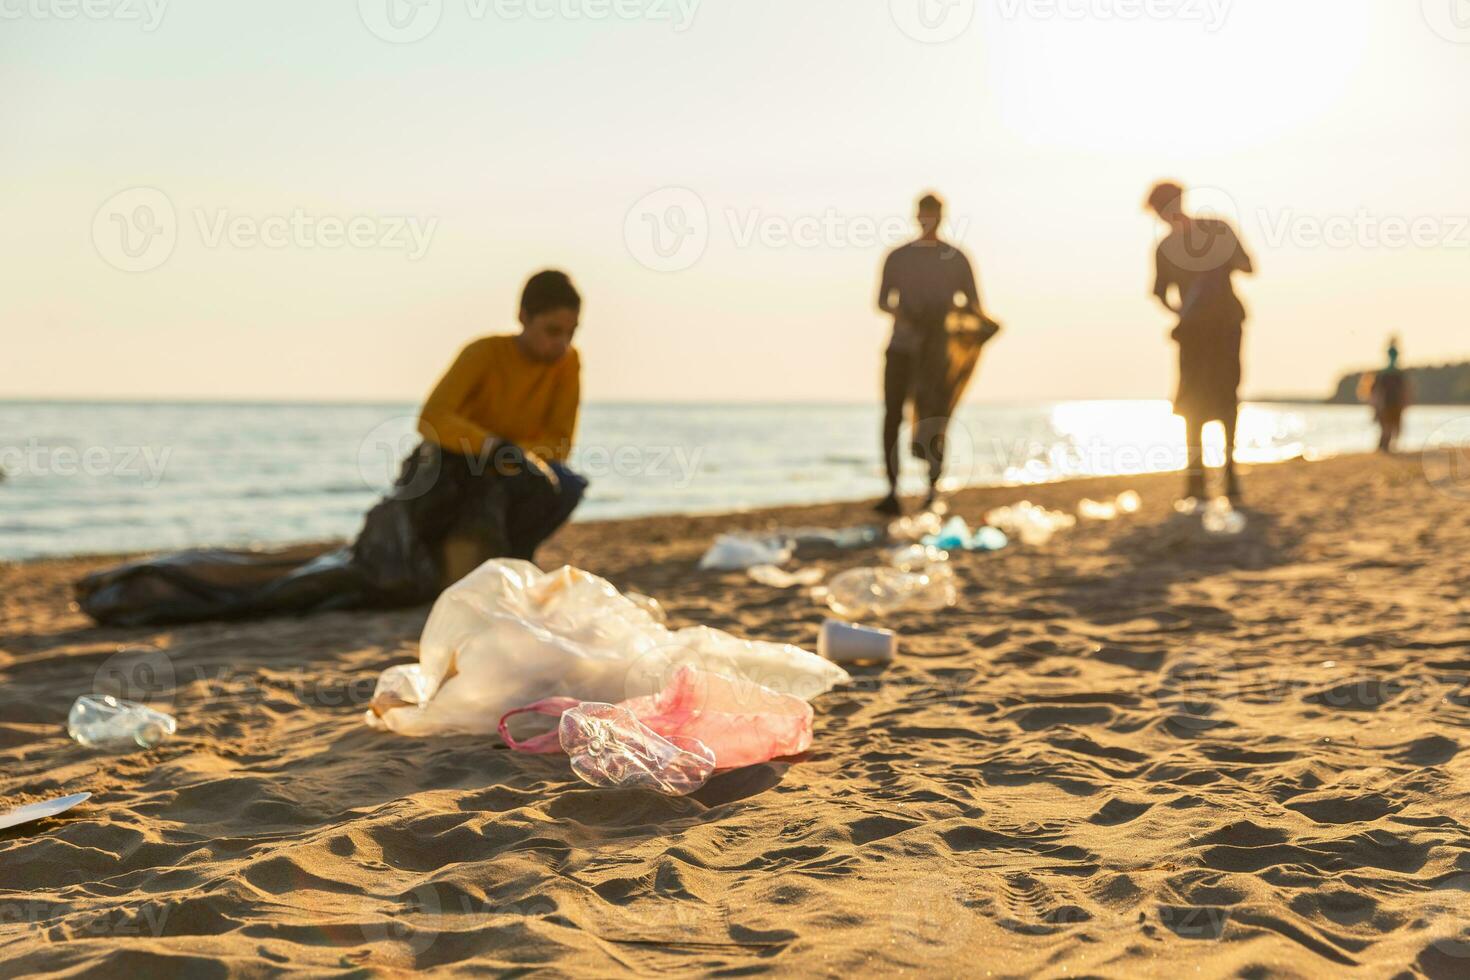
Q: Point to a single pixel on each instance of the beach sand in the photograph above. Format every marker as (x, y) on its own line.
(1133, 752)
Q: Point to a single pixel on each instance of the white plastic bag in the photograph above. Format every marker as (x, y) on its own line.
(508, 635)
(738, 552)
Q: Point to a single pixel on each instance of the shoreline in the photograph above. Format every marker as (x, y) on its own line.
(779, 512)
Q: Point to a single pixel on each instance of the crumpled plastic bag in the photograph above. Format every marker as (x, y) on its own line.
(609, 748)
(509, 634)
(741, 723)
(738, 552)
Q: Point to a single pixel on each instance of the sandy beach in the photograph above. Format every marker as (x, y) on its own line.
(1136, 751)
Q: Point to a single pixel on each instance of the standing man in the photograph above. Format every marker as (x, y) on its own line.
(923, 283)
(1195, 263)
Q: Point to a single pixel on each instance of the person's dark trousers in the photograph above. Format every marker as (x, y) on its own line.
(1194, 473)
(503, 507)
(920, 375)
(898, 384)
(537, 508)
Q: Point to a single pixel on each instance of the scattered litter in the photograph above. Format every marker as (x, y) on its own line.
(509, 634)
(649, 605)
(913, 557)
(916, 526)
(957, 535)
(740, 722)
(738, 552)
(865, 593)
(40, 811)
(1221, 519)
(611, 749)
(846, 643)
(104, 722)
(1127, 502)
(845, 539)
(1034, 525)
(779, 578)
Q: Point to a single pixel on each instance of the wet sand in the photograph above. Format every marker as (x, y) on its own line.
(1136, 751)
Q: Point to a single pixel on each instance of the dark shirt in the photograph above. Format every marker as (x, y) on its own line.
(1200, 263)
(922, 283)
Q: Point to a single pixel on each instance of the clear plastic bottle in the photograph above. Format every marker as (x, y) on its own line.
(867, 592)
(104, 722)
(1222, 519)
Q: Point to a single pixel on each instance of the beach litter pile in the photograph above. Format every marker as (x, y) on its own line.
(659, 742)
(779, 578)
(1221, 519)
(1127, 502)
(956, 535)
(739, 552)
(1032, 524)
(510, 635)
(763, 554)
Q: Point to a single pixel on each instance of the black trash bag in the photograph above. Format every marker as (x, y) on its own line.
(395, 562)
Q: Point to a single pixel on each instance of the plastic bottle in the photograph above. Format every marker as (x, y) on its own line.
(104, 722)
(610, 748)
(1222, 519)
(870, 592)
(779, 578)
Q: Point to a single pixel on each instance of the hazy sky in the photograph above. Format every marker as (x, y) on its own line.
(293, 199)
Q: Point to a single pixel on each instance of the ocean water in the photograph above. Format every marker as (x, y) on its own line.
(87, 478)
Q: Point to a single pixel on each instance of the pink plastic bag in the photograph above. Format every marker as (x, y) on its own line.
(741, 722)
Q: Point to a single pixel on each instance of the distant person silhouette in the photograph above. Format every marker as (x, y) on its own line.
(923, 283)
(1195, 262)
(1389, 392)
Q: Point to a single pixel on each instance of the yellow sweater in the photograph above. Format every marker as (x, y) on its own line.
(493, 390)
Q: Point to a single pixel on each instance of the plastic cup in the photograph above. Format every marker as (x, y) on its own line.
(844, 643)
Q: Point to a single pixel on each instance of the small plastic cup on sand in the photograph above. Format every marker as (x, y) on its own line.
(844, 643)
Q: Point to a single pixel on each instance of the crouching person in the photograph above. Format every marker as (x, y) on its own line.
(491, 480)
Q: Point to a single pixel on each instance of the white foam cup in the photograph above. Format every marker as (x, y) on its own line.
(844, 643)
